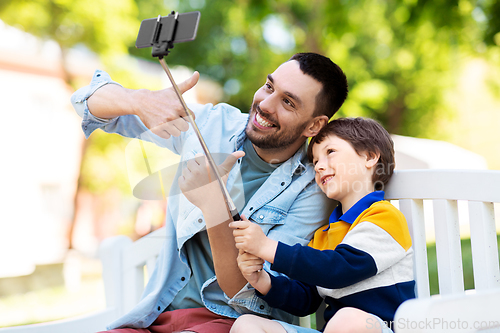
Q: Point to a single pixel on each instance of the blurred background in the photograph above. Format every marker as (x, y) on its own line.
(429, 71)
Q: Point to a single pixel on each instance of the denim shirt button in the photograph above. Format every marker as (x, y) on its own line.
(183, 278)
(200, 220)
(262, 307)
(159, 308)
(261, 217)
(282, 183)
(251, 208)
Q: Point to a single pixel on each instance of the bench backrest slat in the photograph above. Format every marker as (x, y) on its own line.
(448, 247)
(438, 197)
(413, 209)
(483, 240)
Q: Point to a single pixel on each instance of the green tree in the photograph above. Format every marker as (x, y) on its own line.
(399, 56)
(105, 27)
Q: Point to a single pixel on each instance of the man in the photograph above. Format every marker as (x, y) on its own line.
(196, 285)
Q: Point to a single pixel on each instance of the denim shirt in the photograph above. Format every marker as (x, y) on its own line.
(289, 207)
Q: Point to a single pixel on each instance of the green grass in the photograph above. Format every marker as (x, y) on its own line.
(51, 303)
(466, 264)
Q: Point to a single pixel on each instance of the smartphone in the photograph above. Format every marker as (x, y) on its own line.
(187, 26)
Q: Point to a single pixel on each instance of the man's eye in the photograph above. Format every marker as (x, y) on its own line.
(329, 151)
(268, 86)
(288, 102)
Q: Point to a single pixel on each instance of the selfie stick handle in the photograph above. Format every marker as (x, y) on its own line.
(225, 193)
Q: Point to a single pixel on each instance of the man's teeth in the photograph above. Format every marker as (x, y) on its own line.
(262, 122)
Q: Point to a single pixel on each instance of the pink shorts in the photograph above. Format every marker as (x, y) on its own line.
(199, 320)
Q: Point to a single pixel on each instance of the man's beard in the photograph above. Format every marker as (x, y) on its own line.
(276, 140)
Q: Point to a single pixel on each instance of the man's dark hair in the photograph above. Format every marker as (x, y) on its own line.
(322, 69)
(367, 136)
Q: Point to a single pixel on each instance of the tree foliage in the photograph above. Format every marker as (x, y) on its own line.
(399, 56)
(106, 27)
(103, 26)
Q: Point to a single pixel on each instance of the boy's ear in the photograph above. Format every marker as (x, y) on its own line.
(372, 160)
(315, 125)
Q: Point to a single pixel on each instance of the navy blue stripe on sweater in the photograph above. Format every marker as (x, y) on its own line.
(327, 268)
(295, 297)
(381, 301)
(301, 299)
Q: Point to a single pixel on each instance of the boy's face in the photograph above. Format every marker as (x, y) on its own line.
(341, 173)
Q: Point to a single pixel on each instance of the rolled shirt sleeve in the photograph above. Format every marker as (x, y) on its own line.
(80, 97)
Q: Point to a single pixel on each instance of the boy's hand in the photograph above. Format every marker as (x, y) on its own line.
(250, 238)
(251, 268)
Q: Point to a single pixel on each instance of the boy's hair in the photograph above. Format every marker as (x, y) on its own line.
(330, 75)
(365, 136)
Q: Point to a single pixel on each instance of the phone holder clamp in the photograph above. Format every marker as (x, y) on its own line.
(163, 36)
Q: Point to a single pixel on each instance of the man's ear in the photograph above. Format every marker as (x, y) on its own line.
(372, 160)
(315, 125)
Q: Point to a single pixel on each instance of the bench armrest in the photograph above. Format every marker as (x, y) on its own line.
(450, 313)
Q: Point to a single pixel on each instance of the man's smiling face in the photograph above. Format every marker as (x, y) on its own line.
(282, 108)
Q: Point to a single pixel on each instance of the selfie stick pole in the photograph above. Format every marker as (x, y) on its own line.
(225, 193)
(230, 204)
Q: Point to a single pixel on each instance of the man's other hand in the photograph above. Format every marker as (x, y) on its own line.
(161, 111)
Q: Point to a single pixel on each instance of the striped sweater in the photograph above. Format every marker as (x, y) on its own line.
(361, 259)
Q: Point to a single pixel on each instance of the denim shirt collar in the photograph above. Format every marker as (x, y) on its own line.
(240, 138)
(352, 214)
(299, 161)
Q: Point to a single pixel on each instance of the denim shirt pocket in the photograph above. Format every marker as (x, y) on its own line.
(268, 217)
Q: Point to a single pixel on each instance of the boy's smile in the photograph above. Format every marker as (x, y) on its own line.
(326, 179)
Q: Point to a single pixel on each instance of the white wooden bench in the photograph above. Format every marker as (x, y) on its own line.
(125, 267)
(453, 309)
(126, 263)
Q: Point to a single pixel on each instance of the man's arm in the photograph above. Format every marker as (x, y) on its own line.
(160, 110)
(112, 100)
(205, 193)
(225, 254)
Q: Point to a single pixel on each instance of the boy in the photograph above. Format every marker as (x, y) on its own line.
(360, 263)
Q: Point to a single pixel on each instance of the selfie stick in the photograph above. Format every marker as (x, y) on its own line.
(161, 49)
